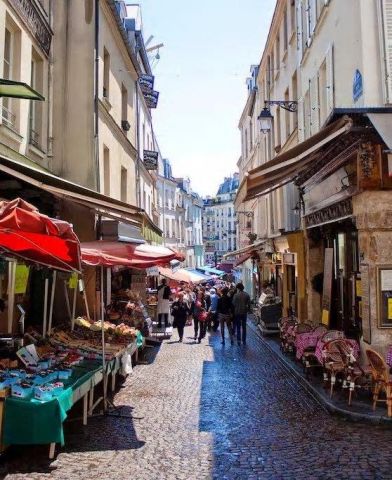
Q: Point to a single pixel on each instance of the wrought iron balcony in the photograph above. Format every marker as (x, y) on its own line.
(34, 138)
(8, 118)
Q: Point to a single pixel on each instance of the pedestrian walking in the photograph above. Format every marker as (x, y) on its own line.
(180, 312)
(213, 310)
(200, 315)
(225, 314)
(163, 305)
(241, 304)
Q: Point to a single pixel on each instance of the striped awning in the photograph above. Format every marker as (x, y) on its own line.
(285, 167)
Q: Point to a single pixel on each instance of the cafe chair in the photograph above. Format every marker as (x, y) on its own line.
(381, 379)
(335, 363)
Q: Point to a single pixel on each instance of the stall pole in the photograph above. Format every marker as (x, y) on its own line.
(85, 299)
(105, 380)
(52, 301)
(74, 308)
(11, 293)
(45, 319)
(67, 299)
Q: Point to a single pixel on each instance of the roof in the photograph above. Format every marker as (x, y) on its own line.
(229, 185)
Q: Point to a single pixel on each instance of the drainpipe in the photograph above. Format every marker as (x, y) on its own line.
(96, 97)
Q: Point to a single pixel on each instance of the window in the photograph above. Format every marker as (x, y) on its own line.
(246, 143)
(124, 184)
(106, 171)
(124, 104)
(292, 16)
(251, 135)
(287, 116)
(106, 73)
(268, 76)
(37, 82)
(277, 46)
(9, 73)
(278, 137)
(272, 68)
(307, 114)
(294, 96)
(285, 32)
(322, 87)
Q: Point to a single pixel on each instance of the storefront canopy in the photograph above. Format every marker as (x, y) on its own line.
(243, 258)
(285, 167)
(110, 254)
(251, 249)
(25, 233)
(211, 270)
(184, 275)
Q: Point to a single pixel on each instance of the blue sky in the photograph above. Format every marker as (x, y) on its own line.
(209, 46)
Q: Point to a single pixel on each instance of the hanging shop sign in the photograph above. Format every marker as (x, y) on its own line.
(146, 83)
(152, 272)
(357, 85)
(150, 159)
(151, 98)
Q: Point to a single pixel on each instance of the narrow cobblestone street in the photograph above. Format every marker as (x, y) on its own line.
(208, 411)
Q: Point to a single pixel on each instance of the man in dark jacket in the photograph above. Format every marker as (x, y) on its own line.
(163, 306)
(225, 314)
(180, 311)
(241, 304)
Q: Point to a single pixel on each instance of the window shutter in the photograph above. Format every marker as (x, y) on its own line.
(330, 80)
(300, 32)
(301, 125)
(387, 29)
(313, 15)
(314, 106)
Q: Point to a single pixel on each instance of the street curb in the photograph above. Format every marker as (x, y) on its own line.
(323, 400)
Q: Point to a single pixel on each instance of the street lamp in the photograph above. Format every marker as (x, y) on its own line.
(265, 117)
(12, 89)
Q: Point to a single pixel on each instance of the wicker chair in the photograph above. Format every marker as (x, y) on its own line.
(320, 330)
(286, 326)
(381, 379)
(335, 362)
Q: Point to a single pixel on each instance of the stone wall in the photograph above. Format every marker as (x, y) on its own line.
(373, 213)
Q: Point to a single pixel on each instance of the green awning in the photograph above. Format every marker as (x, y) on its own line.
(12, 89)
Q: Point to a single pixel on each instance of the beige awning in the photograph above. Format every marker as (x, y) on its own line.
(285, 167)
(241, 251)
(65, 189)
(383, 124)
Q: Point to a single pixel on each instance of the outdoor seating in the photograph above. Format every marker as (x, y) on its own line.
(286, 327)
(382, 382)
(335, 362)
(314, 358)
(305, 344)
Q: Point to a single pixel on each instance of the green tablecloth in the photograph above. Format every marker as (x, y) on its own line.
(34, 422)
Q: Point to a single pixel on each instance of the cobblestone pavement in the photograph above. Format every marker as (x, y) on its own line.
(213, 412)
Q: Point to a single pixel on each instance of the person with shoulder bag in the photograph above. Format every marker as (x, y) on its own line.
(180, 311)
(200, 316)
(225, 314)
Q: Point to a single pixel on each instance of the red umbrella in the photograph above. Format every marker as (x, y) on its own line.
(25, 233)
(109, 254)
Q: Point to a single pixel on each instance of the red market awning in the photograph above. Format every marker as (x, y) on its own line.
(111, 254)
(27, 234)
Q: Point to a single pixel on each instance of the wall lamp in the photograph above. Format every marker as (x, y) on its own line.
(265, 117)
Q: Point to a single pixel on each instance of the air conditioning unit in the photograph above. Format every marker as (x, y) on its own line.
(125, 125)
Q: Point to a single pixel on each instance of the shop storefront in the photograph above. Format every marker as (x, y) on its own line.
(344, 177)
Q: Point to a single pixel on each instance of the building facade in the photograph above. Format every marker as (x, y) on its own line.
(220, 222)
(336, 160)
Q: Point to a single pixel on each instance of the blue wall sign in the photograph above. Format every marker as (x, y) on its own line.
(357, 85)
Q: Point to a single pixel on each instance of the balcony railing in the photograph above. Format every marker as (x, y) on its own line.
(8, 118)
(34, 138)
